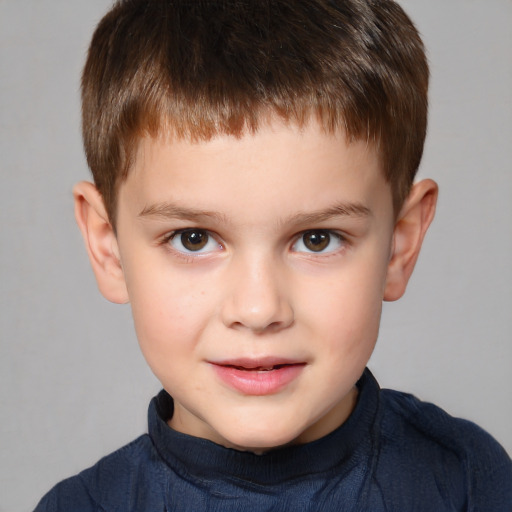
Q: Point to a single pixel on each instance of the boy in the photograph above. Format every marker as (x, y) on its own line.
(254, 202)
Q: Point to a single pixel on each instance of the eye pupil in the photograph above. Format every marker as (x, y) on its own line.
(316, 240)
(194, 240)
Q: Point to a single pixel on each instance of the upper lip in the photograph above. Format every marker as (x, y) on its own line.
(249, 363)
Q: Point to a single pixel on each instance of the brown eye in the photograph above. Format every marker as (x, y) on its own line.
(194, 239)
(316, 241)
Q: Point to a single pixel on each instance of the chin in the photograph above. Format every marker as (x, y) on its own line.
(259, 440)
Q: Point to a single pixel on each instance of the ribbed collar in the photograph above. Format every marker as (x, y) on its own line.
(199, 458)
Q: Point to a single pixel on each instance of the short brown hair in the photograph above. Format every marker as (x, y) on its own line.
(203, 67)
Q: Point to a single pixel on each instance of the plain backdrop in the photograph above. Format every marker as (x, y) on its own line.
(73, 386)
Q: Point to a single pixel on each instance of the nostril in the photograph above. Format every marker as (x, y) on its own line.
(262, 327)
(258, 300)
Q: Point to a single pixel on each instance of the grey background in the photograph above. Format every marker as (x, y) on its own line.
(73, 385)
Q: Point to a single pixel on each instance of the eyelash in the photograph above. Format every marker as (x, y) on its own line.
(192, 255)
(331, 235)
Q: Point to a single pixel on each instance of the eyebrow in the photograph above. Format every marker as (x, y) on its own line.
(341, 209)
(167, 210)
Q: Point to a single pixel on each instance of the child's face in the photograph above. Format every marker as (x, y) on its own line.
(256, 270)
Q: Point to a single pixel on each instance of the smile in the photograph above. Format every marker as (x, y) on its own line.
(258, 378)
(259, 368)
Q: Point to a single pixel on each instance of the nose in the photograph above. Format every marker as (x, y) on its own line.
(258, 297)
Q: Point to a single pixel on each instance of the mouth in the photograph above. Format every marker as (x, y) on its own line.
(258, 377)
(260, 368)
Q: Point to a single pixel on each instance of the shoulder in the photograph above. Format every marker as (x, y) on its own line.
(460, 454)
(114, 483)
(427, 423)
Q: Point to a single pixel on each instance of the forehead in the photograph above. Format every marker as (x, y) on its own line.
(270, 169)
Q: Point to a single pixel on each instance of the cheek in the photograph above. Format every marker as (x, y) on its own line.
(168, 312)
(354, 327)
(169, 327)
(347, 309)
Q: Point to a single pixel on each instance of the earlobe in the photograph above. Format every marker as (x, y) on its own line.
(410, 228)
(100, 242)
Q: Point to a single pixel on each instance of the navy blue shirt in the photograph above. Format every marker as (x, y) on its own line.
(393, 454)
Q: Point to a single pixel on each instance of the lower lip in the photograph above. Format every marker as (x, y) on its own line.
(258, 383)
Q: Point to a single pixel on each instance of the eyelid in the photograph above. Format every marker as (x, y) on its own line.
(340, 237)
(169, 237)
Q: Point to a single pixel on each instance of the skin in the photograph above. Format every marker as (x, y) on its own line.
(258, 288)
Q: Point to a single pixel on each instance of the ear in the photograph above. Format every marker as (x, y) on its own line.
(410, 229)
(100, 242)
